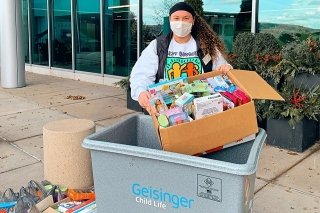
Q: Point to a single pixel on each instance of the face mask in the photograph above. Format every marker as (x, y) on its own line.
(180, 28)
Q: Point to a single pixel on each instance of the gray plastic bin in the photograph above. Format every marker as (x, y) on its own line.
(133, 175)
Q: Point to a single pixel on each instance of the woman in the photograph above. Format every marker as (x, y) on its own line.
(191, 48)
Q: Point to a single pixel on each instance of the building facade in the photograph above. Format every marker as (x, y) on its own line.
(100, 40)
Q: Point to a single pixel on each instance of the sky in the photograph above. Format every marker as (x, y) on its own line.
(299, 12)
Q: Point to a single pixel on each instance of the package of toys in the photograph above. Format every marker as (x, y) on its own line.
(177, 101)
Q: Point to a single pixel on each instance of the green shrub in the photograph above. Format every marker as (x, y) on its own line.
(256, 52)
(264, 44)
(242, 48)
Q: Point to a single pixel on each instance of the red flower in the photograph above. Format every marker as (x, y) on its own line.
(277, 57)
(257, 57)
(297, 99)
(266, 58)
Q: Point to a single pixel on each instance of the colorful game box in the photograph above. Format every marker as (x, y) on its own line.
(158, 103)
(185, 101)
(208, 105)
(168, 89)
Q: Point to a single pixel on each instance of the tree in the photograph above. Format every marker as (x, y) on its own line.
(197, 6)
(243, 21)
(161, 12)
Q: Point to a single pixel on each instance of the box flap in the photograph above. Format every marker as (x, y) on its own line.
(255, 85)
(45, 203)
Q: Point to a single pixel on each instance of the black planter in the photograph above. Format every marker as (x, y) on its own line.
(306, 80)
(318, 136)
(297, 138)
(262, 123)
(132, 104)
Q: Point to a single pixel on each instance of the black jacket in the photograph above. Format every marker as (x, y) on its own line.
(163, 43)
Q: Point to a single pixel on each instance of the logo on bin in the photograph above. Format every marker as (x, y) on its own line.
(159, 198)
(210, 188)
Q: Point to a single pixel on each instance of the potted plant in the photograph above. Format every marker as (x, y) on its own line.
(131, 104)
(262, 54)
(292, 124)
(300, 63)
(305, 58)
(283, 65)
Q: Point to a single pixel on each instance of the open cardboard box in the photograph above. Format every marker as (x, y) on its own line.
(213, 131)
(51, 207)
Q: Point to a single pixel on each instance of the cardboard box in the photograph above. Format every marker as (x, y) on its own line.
(240, 141)
(53, 206)
(213, 131)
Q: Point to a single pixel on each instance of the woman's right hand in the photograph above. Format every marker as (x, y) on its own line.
(144, 100)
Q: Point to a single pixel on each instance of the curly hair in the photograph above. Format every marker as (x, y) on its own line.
(208, 39)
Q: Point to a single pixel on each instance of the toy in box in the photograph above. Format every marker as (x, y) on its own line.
(168, 89)
(178, 118)
(198, 87)
(208, 105)
(185, 101)
(158, 103)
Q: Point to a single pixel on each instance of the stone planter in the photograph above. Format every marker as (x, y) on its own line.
(297, 138)
(132, 104)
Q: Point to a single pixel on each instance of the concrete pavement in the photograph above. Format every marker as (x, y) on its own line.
(286, 181)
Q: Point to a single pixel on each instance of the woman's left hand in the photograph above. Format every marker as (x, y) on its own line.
(224, 68)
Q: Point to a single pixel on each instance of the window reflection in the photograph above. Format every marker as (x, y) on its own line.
(120, 36)
(61, 34)
(39, 34)
(88, 42)
(227, 18)
(25, 30)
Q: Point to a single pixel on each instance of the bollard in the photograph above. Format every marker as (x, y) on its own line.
(65, 161)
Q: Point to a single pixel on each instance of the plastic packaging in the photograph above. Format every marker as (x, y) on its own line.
(76, 194)
(26, 204)
(25, 193)
(163, 121)
(8, 200)
(7, 207)
(178, 118)
(37, 190)
(9, 195)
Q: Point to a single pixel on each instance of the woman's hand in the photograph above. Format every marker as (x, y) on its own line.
(144, 101)
(224, 68)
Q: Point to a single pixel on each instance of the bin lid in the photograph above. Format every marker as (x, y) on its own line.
(256, 86)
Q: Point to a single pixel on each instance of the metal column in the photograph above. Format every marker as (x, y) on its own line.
(12, 53)
(254, 17)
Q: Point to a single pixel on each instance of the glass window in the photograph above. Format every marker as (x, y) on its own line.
(155, 19)
(87, 33)
(25, 30)
(39, 35)
(120, 36)
(227, 18)
(61, 34)
(290, 19)
(217, 28)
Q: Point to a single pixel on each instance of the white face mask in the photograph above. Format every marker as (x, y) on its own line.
(181, 28)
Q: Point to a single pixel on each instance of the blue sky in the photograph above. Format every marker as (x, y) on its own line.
(299, 12)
